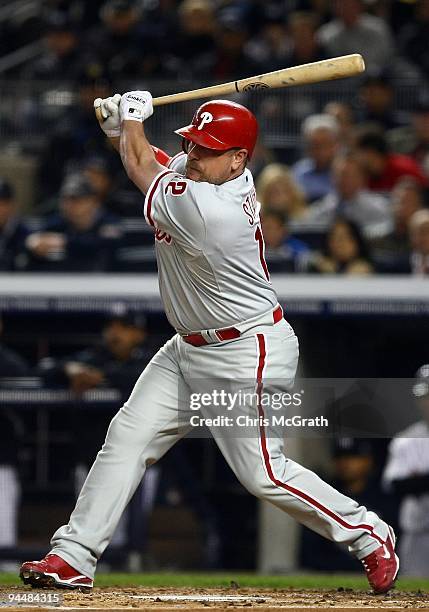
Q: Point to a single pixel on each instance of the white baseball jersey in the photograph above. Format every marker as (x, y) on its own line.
(409, 456)
(209, 248)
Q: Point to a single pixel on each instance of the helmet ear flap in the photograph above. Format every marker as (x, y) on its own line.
(185, 145)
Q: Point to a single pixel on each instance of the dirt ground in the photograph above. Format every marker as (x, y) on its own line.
(232, 598)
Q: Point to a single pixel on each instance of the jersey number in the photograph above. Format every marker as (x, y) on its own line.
(260, 240)
(177, 188)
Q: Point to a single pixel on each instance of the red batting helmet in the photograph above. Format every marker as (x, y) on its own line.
(222, 125)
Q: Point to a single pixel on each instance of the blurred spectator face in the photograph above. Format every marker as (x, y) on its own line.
(343, 115)
(278, 191)
(7, 210)
(349, 177)
(61, 42)
(274, 230)
(407, 199)
(80, 211)
(322, 146)
(419, 232)
(232, 41)
(302, 31)
(122, 338)
(372, 161)
(341, 112)
(351, 468)
(342, 245)
(99, 178)
(348, 11)
(377, 96)
(119, 17)
(196, 17)
(275, 34)
(421, 125)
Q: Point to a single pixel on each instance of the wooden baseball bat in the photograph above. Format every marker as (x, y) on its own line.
(325, 70)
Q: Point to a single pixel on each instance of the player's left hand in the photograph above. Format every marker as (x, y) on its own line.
(110, 121)
(136, 106)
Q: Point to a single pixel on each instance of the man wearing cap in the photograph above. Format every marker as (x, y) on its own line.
(407, 474)
(231, 334)
(116, 362)
(13, 231)
(82, 237)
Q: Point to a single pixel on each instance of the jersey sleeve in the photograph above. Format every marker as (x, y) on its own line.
(171, 206)
(178, 162)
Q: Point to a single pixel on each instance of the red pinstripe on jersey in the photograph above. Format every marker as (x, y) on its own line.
(262, 354)
(150, 194)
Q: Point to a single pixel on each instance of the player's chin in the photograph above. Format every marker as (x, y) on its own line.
(193, 175)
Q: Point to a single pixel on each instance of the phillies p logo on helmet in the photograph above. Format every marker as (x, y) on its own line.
(205, 117)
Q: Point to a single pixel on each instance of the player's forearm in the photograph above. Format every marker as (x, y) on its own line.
(137, 155)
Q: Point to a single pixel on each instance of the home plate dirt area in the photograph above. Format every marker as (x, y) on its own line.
(228, 598)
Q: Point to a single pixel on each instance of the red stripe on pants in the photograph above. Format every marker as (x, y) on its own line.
(266, 455)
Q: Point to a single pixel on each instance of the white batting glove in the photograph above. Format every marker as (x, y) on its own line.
(136, 106)
(109, 121)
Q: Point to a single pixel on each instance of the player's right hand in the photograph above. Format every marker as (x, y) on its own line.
(107, 112)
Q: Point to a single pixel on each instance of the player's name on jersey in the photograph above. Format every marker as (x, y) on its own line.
(273, 420)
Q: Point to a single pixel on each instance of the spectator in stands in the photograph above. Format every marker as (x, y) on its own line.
(354, 31)
(62, 58)
(97, 172)
(313, 173)
(420, 121)
(384, 168)
(419, 238)
(277, 190)
(345, 252)
(193, 54)
(13, 232)
(270, 48)
(282, 251)
(117, 42)
(344, 116)
(76, 135)
(407, 475)
(116, 363)
(11, 363)
(81, 238)
(306, 46)
(231, 60)
(414, 36)
(351, 199)
(353, 463)
(391, 253)
(377, 101)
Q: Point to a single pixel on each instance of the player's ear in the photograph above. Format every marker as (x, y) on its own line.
(239, 158)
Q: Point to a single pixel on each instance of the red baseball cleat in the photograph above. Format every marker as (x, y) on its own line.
(53, 572)
(382, 565)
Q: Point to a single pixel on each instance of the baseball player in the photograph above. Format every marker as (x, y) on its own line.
(407, 474)
(217, 294)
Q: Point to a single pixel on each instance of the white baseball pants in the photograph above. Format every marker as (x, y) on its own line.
(146, 427)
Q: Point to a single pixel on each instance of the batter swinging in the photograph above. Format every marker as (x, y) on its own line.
(217, 294)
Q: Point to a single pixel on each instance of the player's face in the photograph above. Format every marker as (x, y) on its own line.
(216, 167)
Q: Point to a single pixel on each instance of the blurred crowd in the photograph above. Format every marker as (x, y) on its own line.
(350, 196)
